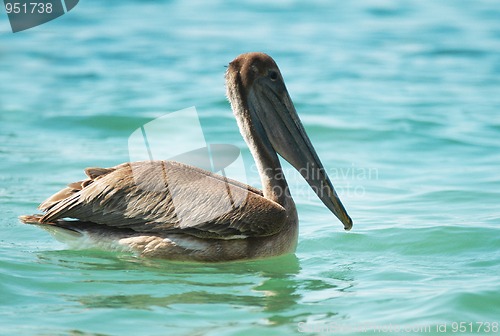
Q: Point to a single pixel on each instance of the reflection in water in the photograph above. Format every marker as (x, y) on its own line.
(273, 287)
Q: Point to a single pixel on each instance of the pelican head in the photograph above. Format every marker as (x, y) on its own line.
(269, 123)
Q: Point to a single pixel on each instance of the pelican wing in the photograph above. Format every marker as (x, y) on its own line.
(167, 196)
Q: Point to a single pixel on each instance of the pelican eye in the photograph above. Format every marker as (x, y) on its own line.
(273, 75)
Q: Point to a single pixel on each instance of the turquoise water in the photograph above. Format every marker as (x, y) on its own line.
(401, 101)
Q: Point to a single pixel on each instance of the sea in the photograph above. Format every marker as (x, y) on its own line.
(401, 100)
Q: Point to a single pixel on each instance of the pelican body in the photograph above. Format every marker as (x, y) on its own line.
(166, 209)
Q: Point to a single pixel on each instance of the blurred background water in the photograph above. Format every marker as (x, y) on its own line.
(401, 100)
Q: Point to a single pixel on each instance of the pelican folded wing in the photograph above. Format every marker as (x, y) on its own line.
(166, 197)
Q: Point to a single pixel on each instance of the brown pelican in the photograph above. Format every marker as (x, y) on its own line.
(131, 206)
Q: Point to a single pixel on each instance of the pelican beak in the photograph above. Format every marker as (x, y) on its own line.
(270, 101)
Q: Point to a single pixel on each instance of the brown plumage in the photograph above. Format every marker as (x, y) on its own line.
(176, 211)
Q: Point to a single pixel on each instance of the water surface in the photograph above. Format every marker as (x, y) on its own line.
(400, 100)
